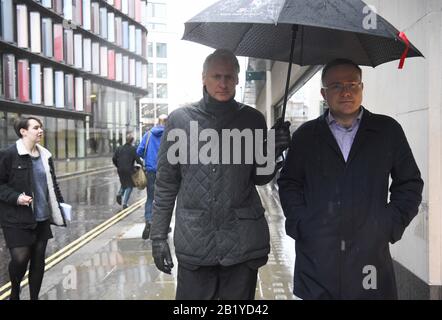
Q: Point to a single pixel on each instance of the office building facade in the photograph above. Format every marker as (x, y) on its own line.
(79, 65)
(158, 46)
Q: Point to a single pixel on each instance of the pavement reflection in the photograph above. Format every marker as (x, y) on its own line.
(118, 265)
(92, 197)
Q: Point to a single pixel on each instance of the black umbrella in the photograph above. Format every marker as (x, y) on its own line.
(305, 32)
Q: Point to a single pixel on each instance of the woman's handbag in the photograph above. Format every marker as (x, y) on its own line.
(139, 178)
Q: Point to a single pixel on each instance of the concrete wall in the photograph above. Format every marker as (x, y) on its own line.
(278, 80)
(413, 96)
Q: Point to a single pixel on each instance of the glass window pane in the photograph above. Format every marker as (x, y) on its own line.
(149, 9)
(3, 127)
(150, 90)
(147, 110)
(159, 10)
(162, 108)
(72, 144)
(50, 126)
(150, 49)
(81, 138)
(160, 27)
(162, 70)
(61, 138)
(161, 90)
(161, 50)
(12, 137)
(150, 70)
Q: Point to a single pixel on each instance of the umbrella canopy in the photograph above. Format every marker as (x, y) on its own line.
(326, 29)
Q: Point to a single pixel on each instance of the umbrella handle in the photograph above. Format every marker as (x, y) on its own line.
(278, 124)
(292, 49)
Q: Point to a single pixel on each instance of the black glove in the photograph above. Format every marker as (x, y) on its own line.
(161, 256)
(282, 136)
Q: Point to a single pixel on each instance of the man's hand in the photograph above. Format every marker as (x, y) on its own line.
(282, 136)
(24, 200)
(161, 256)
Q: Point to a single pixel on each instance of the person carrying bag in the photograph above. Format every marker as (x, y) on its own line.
(148, 149)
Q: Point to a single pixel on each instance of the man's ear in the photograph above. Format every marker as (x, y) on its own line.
(323, 94)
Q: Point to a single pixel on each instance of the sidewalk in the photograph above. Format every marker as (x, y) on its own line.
(118, 264)
(71, 167)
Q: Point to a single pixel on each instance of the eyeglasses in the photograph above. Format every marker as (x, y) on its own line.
(339, 87)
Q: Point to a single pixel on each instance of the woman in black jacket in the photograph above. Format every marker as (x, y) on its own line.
(124, 159)
(29, 202)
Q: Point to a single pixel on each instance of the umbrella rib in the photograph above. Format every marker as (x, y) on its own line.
(243, 37)
(196, 25)
(281, 9)
(365, 50)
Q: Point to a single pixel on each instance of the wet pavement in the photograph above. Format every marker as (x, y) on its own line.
(90, 187)
(117, 264)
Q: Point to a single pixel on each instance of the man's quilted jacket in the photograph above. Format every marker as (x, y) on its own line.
(219, 218)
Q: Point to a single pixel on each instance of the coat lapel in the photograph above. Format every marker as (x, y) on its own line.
(365, 129)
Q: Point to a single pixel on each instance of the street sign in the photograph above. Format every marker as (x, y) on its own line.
(255, 75)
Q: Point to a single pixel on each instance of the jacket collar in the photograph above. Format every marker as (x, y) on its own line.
(22, 149)
(366, 127)
(367, 122)
(216, 107)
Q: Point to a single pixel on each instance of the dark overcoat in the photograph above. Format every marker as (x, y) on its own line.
(124, 159)
(339, 212)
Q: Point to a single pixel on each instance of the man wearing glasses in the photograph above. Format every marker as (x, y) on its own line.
(334, 190)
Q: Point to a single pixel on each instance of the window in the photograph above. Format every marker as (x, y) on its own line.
(161, 50)
(150, 90)
(50, 128)
(161, 91)
(161, 70)
(162, 108)
(156, 10)
(147, 110)
(150, 70)
(71, 139)
(61, 138)
(157, 26)
(149, 50)
(160, 27)
(81, 138)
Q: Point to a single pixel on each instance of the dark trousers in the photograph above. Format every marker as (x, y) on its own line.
(237, 282)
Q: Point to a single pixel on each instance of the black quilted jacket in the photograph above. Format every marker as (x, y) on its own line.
(219, 216)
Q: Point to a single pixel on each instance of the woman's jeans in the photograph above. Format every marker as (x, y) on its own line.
(125, 193)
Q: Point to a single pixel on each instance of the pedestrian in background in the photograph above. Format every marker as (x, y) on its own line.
(334, 190)
(124, 159)
(29, 203)
(148, 150)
